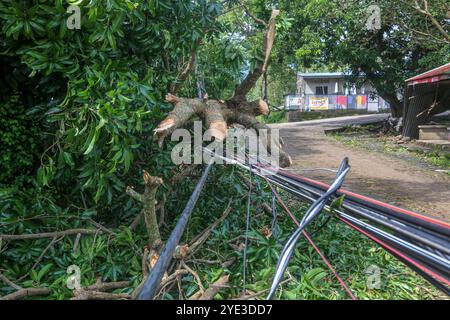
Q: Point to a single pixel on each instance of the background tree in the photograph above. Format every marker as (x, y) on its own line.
(333, 35)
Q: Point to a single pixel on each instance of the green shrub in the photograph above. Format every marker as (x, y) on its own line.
(19, 138)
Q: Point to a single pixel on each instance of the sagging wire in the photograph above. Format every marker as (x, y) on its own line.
(274, 225)
(342, 283)
(247, 227)
(369, 209)
(312, 212)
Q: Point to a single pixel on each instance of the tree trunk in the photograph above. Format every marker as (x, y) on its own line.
(395, 104)
(264, 88)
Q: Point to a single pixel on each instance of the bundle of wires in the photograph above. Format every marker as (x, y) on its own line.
(421, 242)
(312, 212)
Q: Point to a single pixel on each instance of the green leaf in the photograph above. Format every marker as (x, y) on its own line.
(337, 203)
(290, 295)
(43, 271)
(92, 143)
(68, 159)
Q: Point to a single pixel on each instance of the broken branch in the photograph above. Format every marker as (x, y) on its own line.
(82, 294)
(44, 235)
(212, 290)
(27, 292)
(149, 200)
(250, 81)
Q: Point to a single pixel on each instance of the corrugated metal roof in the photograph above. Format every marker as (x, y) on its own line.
(321, 74)
(434, 75)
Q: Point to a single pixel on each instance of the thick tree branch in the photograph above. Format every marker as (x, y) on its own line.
(149, 201)
(82, 294)
(218, 115)
(108, 286)
(433, 20)
(177, 177)
(250, 81)
(44, 235)
(97, 291)
(27, 292)
(183, 110)
(175, 87)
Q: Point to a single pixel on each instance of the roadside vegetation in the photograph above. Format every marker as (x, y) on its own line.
(115, 255)
(274, 117)
(371, 138)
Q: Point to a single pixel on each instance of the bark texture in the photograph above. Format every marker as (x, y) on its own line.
(218, 115)
(148, 199)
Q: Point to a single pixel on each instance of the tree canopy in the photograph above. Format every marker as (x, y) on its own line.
(332, 35)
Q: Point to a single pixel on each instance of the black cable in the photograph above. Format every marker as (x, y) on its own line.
(311, 198)
(445, 232)
(423, 236)
(426, 234)
(312, 212)
(153, 281)
(435, 282)
(418, 250)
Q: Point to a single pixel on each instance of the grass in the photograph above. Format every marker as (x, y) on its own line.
(315, 115)
(436, 158)
(274, 117)
(367, 138)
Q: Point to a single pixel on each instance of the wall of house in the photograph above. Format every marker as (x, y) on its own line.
(339, 96)
(309, 85)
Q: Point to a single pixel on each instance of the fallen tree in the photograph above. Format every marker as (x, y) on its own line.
(218, 115)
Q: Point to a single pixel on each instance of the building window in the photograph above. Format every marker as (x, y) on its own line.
(321, 90)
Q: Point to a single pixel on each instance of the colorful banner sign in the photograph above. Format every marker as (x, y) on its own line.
(318, 103)
(295, 101)
(361, 102)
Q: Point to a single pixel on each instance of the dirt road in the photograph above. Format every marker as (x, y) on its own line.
(376, 175)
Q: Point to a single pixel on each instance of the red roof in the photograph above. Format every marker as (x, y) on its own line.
(435, 75)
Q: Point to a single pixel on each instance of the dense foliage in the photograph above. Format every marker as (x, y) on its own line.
(78, 108)
(100, 87)
(17, 131)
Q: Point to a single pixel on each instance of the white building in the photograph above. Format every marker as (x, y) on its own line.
(332, 91)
